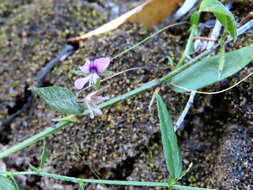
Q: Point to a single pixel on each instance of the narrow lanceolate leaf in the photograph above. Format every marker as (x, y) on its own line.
(43, 155)
(59, 98)
(225, 17)
(169, 140)
(206, 71)
(6, 183)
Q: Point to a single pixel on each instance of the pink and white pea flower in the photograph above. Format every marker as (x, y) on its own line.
(92, 68)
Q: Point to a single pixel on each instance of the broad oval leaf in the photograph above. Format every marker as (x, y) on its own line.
(59, 98)
(206, 71)
(7, 183)
(225, 17)
(169, 140)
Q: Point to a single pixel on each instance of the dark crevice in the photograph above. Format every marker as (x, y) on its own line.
(23, 102)
(46, 84)
(20, 101)
(85, 171)
(124, 169)
(219, 108)
(75, 45)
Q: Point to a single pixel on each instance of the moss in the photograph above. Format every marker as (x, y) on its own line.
(34, 34)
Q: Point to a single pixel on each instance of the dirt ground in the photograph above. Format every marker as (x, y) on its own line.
(125, 142)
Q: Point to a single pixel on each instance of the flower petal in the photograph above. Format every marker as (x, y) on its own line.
(102, 64)
(86, 67)
(79, 83)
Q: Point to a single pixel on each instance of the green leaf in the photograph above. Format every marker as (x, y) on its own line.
(194, 20)
(80, 73)
(43, 155)
(225, 17)
(171, 182)
(186, 171)
(34, 169)
(96, 85)
(189, 49)
(206, 71)
(81, 186)
(170, 61)
(6, 183)
(71, 118)
(221, 60)
(169, 140)
(59, 98)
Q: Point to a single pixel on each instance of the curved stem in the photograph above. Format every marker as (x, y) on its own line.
(108, 182)
(145, 39)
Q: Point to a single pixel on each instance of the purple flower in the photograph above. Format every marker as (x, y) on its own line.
(92, 68)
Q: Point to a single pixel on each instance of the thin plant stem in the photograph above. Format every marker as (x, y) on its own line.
(99, 181)
(144, 40)
(182, 187)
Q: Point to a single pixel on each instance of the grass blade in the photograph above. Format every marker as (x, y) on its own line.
(169, 140)
(43, 155)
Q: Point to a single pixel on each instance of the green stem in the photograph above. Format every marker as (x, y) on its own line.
(182, 187)
(99, 181)
(144, 40)
(187, 50)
